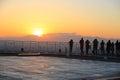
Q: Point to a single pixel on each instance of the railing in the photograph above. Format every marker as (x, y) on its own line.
(32, 46)
(9, 46)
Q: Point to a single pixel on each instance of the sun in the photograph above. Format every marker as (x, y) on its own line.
(38, 32)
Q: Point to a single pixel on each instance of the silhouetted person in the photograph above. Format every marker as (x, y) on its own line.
(102, 47)
(87, 42)
(108, 46)
(22, 49)
(82, 46)
(95, 46)
(70, 46)
(112, 48)
(60, 50)
(117, 47)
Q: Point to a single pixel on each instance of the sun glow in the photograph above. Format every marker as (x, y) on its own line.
(38, 32)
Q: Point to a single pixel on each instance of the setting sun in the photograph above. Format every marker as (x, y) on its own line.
(38, 32)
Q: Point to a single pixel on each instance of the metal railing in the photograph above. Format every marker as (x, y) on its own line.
(11, 46)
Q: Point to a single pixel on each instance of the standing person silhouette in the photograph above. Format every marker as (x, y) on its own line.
(117, 47)
(81, 46)
(102, 47)
(112, 48)
(22, 50)
(70, 46)
(95, 46)
(87, 42)
(108, 46)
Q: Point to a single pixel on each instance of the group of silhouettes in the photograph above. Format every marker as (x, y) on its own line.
(109, 48)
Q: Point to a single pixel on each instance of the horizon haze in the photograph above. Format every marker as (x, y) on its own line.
(57, 37)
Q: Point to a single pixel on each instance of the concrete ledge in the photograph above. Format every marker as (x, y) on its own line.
(89, 57)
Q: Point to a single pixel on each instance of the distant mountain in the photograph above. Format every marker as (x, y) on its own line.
(57, 37)
(65, 37)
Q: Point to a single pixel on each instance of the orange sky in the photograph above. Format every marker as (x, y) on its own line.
(88, 18)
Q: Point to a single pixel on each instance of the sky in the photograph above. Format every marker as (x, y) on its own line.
(84, 17)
